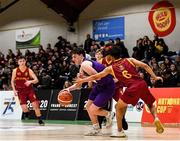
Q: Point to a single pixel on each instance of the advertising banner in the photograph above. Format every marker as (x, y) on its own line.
(167, 105)
(82, 112)
(10, 107)
(111, 28)
(69, 112)
(28, 38)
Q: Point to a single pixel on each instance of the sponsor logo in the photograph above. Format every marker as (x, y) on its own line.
(162, 18)
(9, 105)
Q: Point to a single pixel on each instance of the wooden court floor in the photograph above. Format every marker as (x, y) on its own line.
(18, 130)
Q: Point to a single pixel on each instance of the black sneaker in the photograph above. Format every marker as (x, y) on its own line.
(124, 124)
(41, 123)
(25, 116)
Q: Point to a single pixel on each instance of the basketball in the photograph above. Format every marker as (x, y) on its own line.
(64, 98)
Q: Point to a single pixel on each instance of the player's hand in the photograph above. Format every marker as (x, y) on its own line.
(66, 89)
(15, 92)
(27, 83)
(158, 78)
(79, 81)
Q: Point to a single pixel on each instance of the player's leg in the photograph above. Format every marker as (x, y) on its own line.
(102, 119)
(36, 108)
(35, 105)
(25, 111)
(120, 111)
(95, 131)
(116, 96)
(149, 99)
(22, 99)
(100, 101)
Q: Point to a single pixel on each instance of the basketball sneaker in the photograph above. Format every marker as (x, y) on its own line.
(124, 124)
(41, 123)
(159, 126)
(109, 119)
(118, 134)
(25, 116)
(93, 132)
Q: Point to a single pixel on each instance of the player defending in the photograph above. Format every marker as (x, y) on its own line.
(21, 81)
(106, 61)
(125, 71)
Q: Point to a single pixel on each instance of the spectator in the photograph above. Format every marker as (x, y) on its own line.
(174, 77)
(124, 49)
(88, 43)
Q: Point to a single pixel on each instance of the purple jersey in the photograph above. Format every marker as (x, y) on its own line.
(104, 89)
(105, 81)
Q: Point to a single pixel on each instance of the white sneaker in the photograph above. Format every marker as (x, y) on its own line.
(159, 126)
(109, 120)
(93, 132)
(118, 134)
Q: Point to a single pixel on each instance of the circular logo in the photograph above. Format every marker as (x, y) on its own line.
(139, 106)
(162, 18)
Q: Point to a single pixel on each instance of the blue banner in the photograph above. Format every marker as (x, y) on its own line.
(111, 28)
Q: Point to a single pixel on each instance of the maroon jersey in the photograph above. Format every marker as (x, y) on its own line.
(21, 78)
(125, 71)
(106, 63)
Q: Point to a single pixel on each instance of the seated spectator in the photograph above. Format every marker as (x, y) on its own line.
(165, 74)
(174, 77)
(44, 80)
(67, 84)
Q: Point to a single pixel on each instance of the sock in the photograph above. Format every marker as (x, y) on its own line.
(96, 126)
(26, 114)
(156, 118)
(108, 115)
(39, 117)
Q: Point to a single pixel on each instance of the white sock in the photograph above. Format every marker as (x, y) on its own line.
(108, 115)
(96, 126)
(156, 118)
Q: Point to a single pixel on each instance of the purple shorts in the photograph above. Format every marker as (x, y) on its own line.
(100, 95)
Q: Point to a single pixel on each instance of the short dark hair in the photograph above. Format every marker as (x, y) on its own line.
(79, 51)
(21, 57)
(115, 51)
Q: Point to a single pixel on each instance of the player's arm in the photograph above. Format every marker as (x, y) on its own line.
(86, 67)
(12, 81)
(146, 67)
(97, 76)
(34, 78)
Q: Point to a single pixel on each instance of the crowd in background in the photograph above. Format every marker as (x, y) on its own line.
(54, 68)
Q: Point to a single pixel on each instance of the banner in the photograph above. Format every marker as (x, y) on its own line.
(69, 112)
(28, 38)
(162, 18)
(44, 96)
(167, 105)
(82, 112)
(10, 107)
(111, 28)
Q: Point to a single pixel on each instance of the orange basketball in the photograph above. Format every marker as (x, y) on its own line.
(64, 98)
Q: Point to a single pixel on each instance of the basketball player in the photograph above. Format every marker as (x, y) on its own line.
(125, 71)
(22, 80)
(106, 61)
(101, 93)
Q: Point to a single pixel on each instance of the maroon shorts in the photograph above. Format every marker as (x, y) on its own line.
(138, 90)
(26, 94)
(118, 92)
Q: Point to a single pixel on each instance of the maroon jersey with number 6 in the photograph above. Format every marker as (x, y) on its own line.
(125, 71)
